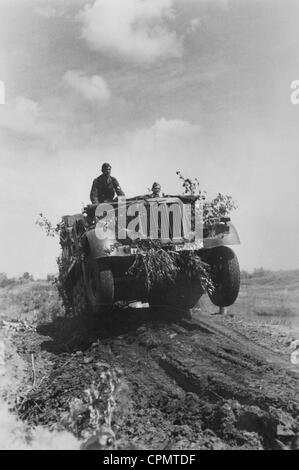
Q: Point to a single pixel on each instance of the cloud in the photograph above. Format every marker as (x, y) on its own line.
(173, 134)
(137, 30)
(49, 11)
(24, 116)
(194, 24)
(55, 8)
(92, 88)
(157, 151)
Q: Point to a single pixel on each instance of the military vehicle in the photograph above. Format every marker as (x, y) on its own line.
(98, 251)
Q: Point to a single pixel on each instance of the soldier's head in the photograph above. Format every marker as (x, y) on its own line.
(156, 189)
(106, 169)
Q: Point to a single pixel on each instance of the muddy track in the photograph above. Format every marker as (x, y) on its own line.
(193, 383)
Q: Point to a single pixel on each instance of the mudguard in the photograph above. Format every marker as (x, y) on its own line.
(100, 246)
(229, 238)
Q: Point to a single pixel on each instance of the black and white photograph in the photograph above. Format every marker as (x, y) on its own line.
(149, 200)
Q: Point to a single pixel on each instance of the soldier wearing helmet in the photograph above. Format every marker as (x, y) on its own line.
(156, 190)
(105, 186)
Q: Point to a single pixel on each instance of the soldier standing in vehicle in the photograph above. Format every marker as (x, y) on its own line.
(156, 190)
(105, 186)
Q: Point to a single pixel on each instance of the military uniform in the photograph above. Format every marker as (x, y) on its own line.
(104, 189)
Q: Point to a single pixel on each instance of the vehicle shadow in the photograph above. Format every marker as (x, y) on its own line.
(68, 335)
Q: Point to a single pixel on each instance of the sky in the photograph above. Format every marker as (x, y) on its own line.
(151, 86)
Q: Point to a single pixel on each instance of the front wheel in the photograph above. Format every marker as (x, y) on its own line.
(226, 276)
(99, 285)
(80, 306)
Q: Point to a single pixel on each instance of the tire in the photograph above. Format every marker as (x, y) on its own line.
(99, 286)
(80, 302)
(226, 270)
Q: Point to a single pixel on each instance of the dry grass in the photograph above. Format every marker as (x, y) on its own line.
(270, 298)
(266, 297)
(34, 301)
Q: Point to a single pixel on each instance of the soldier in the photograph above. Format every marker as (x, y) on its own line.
(105, 186)
(156, 190)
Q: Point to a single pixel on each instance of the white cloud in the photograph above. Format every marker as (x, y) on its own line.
(194, 24)
(164, 133)
(23, 116)
(49, 11)
(157, 151)
(55, 8)
(136, 30)
(92, 88)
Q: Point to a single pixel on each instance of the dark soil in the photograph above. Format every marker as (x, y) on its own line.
(191, 383)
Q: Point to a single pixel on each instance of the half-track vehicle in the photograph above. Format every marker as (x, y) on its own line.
(98, 250)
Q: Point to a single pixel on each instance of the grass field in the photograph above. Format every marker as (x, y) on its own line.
(266, 297)
(270, 297)
(34, 301)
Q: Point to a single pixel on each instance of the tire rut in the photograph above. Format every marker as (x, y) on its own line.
(192, 382)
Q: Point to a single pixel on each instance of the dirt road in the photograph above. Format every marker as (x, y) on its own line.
(190, 383)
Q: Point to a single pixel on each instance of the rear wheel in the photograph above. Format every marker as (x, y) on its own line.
(99, 285)
(226, 273)
(80, 302)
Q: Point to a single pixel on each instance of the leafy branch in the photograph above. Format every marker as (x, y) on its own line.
(220, 206)
(43, 222)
